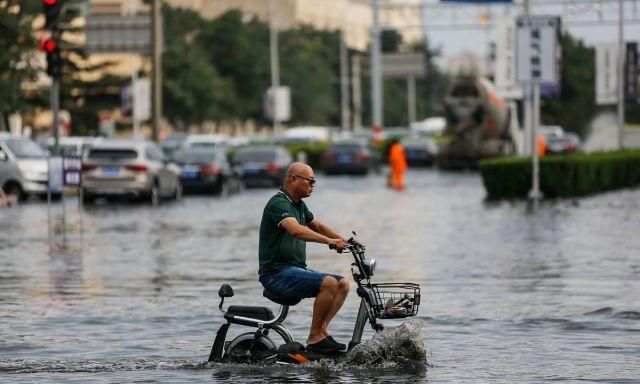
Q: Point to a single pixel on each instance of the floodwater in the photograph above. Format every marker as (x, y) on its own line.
(128, 292)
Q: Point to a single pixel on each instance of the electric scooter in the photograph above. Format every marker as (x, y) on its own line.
(378, 301)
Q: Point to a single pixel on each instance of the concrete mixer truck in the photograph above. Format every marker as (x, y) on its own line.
(478, 124)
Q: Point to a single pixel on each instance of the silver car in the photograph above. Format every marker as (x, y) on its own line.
(131, 168)
(24, 169)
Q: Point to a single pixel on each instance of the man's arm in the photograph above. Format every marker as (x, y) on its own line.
(301, 232)
(324, 229)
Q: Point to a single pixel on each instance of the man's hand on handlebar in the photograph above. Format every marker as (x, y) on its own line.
(337, 244)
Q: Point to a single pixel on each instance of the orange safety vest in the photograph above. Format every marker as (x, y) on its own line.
(397, 159)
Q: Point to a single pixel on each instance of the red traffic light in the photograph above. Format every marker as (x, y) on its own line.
(50, 46)
(50, 2)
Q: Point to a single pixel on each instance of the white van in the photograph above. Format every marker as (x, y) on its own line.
(24, 169)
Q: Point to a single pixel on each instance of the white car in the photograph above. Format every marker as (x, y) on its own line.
(24, 169)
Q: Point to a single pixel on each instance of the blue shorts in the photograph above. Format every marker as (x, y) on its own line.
(295, 282)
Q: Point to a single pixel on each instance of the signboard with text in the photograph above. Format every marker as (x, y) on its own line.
(606, 74)
(537, 49)
(631, 72)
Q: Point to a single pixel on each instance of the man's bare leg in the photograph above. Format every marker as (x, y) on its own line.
(338, 300)
(321, 307)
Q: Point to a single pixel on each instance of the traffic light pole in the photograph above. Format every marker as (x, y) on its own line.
(55, 108)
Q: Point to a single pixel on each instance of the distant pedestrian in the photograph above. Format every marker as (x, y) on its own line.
(398, 163)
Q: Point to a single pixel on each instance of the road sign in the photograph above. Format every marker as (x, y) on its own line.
(537, 49)
(403, 65)
(118, 33)
(277, 103)
(71, 171)
(505, 67)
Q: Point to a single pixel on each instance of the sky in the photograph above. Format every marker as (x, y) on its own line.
(590, 20)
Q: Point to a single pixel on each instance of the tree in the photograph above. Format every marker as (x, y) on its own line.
(17, 48)
(575, 107)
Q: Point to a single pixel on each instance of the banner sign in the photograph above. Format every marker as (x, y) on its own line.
(631, 72)
(537, 46)
(505, 65)
(606, 74)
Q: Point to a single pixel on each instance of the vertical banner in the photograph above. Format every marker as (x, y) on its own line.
(505, 66)
(631, 72)
(606, 73)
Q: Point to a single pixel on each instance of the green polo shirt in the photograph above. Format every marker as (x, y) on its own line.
(277, 248)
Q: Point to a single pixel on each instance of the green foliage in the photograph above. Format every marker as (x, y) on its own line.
(562, 176)
(575, 107)
(16, 49)
(313, 151)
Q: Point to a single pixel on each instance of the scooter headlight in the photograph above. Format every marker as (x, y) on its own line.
(370, 266)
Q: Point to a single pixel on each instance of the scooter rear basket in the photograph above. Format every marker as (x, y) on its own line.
(396, 300)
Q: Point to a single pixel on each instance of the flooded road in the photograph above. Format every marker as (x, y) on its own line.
(129, 292)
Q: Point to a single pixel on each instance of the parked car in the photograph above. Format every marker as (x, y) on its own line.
(205, 141)
(71, 145)
(420, 152)
(263, 165)
(172, 143)
(24, 169)
(206, 170)
(131, 168)
(567, 142)
(350, 157)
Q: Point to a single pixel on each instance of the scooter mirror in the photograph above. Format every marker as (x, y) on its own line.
(225, 291)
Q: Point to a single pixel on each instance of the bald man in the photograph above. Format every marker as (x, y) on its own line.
(287, 224)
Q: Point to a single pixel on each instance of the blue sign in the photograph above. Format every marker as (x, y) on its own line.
(72, 171)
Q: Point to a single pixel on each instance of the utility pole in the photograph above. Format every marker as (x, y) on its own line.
(156, 22)
(357, 93)
(376, 68)
(344, 83)
(275, 64)
(621, 59)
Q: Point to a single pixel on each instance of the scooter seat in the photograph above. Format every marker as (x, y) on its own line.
(282, 300)
(258, 313)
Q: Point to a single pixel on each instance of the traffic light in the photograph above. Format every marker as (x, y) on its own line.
(54, 62)
(52, 13)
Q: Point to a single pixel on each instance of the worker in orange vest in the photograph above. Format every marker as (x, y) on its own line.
(398, 163)
(542, 146)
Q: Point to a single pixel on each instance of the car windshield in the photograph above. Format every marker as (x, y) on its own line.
(26, 149)
(112, 154)
(259, 155)
(204, 144)
(195, 157)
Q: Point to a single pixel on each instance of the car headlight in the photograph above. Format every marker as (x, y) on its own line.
(29, 173)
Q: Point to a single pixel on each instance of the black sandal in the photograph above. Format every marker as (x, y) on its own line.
(323, 346)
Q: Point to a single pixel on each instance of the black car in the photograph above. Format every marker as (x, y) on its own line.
(206, 171)
(420, 152)
(263, 165)
(350, 157)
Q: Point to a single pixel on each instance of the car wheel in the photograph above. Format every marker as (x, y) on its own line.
(87, 198)
(14, 191)
(154, 194)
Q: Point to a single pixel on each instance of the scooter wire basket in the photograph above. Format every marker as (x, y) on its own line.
(396, 300)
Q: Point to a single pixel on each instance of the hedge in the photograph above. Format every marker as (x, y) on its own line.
(314, 152)
(562, 176)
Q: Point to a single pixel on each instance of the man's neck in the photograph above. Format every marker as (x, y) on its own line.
(291, 195)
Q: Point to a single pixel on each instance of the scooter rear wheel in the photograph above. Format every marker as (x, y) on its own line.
(244, 349)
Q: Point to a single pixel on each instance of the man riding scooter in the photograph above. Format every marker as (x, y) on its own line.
(286, 226)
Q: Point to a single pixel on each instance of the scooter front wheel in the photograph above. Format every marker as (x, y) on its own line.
(246, 348)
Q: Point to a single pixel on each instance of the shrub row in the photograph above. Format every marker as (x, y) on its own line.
(562, 176)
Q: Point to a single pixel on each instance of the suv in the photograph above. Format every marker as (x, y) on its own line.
(132, 168)
(24, 169)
